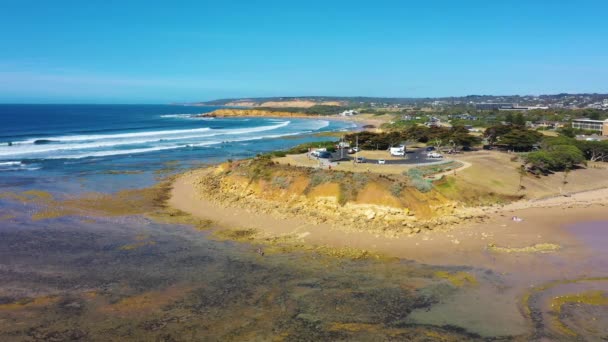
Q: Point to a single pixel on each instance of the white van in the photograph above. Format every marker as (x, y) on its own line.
(398, 151)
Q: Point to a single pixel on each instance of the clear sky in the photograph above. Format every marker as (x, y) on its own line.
(164, 51)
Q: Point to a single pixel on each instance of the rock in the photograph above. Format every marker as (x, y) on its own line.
(370, 214)
(416, 230)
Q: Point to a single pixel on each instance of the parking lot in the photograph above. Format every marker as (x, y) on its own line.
(414, 156)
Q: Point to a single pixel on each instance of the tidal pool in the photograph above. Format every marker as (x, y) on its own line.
(129, 278)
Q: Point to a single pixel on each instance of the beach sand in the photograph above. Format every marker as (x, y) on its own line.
(543, 223)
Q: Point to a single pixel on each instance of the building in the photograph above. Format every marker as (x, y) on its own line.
(506, 106)
(493, 106)
(349, 112)
(600, 126)
(465, 116)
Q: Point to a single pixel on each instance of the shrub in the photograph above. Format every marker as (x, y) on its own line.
(414, 173)
(360, 180)
(396, 189)
(317, 178)
(417, 180)
(281, 182)
(422, 185)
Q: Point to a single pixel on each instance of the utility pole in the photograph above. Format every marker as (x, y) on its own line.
(356, 149)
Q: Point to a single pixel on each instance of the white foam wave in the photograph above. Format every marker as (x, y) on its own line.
(68, 138)
(171, 147)
(18, 166)
(10, 163)
(178, 116)
(117, 140)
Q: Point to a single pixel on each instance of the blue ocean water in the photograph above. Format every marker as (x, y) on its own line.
(41, 146)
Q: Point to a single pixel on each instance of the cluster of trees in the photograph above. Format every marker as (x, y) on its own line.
(555, 158)
(513, 137)
(592, 150)
(516, 119)
(440, 136)
(564, 153)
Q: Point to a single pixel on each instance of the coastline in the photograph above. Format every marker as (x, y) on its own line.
(360, 120)
(544, 221)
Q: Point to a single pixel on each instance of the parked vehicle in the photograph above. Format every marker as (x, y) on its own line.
(350, 151)
(434, 155)
(324, 155)
(430, 148)
(398, 151)
(356, 149)
(360, 160)
(488, 147)
(381, 161)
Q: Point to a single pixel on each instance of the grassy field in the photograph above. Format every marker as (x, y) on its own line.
(497, 173)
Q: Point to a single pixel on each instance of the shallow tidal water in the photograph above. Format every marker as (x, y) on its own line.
(129, 278)
(82, 277)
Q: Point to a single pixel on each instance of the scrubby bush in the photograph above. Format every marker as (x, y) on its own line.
(417, 180)
(360, 180)
(396, 189)
(317, 178)
(422, 185)
(281, 182)
(414, 173)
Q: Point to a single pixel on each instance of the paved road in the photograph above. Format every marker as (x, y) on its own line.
(417, 156)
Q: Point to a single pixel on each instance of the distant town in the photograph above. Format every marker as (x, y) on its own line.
(481, 102)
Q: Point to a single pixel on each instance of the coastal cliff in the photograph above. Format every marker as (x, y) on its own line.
(223, 113)
(346, 200)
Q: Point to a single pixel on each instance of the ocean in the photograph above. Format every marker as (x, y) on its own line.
(39, 143)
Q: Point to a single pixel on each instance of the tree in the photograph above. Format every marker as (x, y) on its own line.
(557, 158)
(568, 132)
(519, 119)
(465, 139)
(521, 139)
(495, 132)
(594, 115)
(566, 157)
(594, 150)
(539, 161)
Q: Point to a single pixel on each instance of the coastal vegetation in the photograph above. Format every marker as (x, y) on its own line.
(439, 136)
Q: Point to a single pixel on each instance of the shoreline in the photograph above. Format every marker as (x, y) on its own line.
(359, 120)
(543, 222)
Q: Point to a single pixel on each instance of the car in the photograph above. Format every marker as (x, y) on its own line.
(360, 160)
(324, 155)
(356, 149)
(434, 155)
(381, 161)
(430, 148)
(350, 151)
(488, 147)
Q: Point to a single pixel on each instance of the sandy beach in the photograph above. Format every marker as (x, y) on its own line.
(542, 222)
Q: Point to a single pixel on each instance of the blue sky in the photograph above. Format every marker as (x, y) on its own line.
(158, 52)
